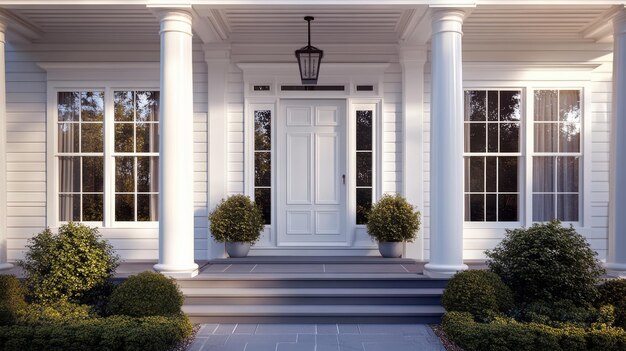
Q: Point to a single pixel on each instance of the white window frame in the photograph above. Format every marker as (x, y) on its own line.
(52, 158)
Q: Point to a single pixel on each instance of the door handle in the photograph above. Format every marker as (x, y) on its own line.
(343, 179)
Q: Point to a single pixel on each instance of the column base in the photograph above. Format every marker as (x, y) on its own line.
(442, 270)
(617, 270)
(4, 266)
(177, 271)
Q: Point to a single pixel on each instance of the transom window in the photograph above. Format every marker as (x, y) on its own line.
(90, 142)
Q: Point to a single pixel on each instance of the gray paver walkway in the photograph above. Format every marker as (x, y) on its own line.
(316, 337)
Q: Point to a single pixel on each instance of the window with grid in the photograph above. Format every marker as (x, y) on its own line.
(136, 154)
(263, 162)
(492, 155)
(364, 164)
(81, 155)
(557, 153)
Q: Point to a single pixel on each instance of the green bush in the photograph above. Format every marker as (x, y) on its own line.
(481, 293)
(119, 333)
(146, 294)
(613, 292)
(558, 312)
(236, 219)
(508, 334)
(60, 311)
(393, 219)
(68, 264)
(547, 262)
(12, 299)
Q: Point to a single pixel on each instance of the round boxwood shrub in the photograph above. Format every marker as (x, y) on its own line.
(146, 294)
(12, 299)
(59, 311)
(236, 219)
(481, 293)
(613, 292)
(393, 219)
(559, 312)
(547, 262)
(68, 264)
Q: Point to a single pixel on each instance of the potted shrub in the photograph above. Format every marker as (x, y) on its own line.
(238, 222)
(392, 221)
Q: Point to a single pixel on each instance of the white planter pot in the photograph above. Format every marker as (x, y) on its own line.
(390, 249)
(237, 249)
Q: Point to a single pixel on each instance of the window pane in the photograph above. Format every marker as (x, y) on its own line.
(124, 137)
(92, 104)
(68, 137)
(263, 199)
(507, 174)
(147, 103)
(147, 207)
(475, 133)
(490, 208)
(93, 173)
(147, 174)
(475, 109)
(507, 208)
(546, 105)
(263, 130)
(68, 106)
(510, 105)
(125, 207)
(69, 208)
(147, 137)
(364, 168)
(492, 104)
(477, 207)
(364, 130)
(363, 204)
(123, 106)
(543, 174)
(69, 174)
(569, 137)
(569, 106)
(567, 207)
(509, 137)
(124, 174)
(546, 137)
(92, 207)
(543, 207)
(91, 138)
(476, 174)
(262, 169)
(491, 171)
(492, 137)
(567, 174)
(467, 208)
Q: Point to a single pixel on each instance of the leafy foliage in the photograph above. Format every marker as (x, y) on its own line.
(547, 262)
(68, 264)
(558, 312)
(481, 293)
(146, 294)
(393, 219)
(119, 333)
(60, 311)
(613, 292)
(12, 299)
(236, 219)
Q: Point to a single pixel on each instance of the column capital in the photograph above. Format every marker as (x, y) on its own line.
(448, 19)
(175, 20)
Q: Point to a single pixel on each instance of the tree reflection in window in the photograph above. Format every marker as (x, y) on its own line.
(492, 146)
(263, 162)
(364, 166)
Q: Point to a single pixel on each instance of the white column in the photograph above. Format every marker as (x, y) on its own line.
(616, 262)
(412, 59)
(446, 150)
(3, 153)
(176, 210)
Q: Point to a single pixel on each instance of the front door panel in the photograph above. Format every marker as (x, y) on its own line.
(311, 164)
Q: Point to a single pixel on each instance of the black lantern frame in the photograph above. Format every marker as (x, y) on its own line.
(309, 59)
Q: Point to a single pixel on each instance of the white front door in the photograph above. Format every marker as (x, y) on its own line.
(311, 166)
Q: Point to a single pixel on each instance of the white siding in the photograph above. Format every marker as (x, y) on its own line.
(235, 118)
(26, 147)
(392, 130)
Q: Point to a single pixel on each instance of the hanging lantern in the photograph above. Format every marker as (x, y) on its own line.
(309, 59)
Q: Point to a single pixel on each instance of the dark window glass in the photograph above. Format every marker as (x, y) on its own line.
(510, 109)
(93, 171)
(364, 130)
(492, 104)
(477, 207)
(92, 207)
(364, 169)
(476, 137)
(147, 207)
(363, 204)
(491, 214)
(263, 199)
(509, 137)
(507, 207)
(262, 169)
(507, 174)
(262, 130)
(263, 163)
(124, 207)
(475, 109)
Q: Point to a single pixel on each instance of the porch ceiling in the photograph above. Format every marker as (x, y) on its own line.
(333, 24)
